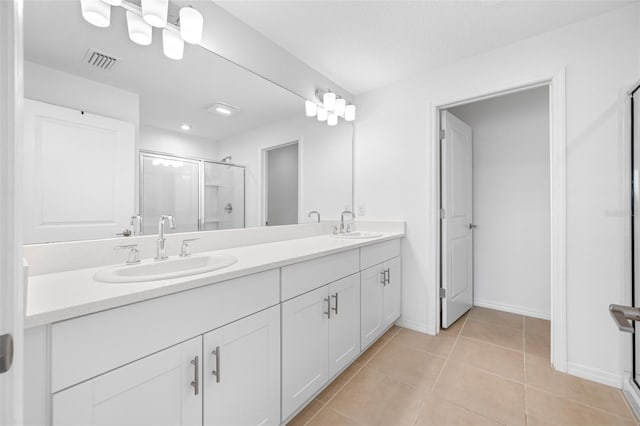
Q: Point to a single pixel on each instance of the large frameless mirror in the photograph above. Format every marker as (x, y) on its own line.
(117, 134)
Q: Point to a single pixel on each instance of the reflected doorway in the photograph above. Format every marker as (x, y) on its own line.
(281, 185)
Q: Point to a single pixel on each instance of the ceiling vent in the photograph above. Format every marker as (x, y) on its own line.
(100, 60)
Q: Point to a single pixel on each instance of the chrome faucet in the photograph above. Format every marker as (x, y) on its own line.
(136, 222)
(316, 212)
(342, 227)
(162, 251)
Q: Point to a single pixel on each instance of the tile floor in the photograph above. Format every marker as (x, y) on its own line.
(489, 368)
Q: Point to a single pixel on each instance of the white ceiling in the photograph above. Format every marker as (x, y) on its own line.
(363, 45)
(171, 92)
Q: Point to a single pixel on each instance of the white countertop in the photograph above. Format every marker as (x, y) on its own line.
(63, 295)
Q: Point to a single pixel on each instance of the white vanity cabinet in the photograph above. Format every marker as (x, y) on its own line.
(161, 389)
(320, 336)
(242, 371)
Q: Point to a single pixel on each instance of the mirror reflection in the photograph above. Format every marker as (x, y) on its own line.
(117, 134)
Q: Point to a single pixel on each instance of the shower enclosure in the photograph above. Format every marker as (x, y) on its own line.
(201, 195)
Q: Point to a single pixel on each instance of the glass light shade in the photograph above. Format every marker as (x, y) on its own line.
(350, 112)
(329, 101)
(322, 114)
(332, 119)
(96, 12)
(139, 31)
(113, 2)
(154, 12)
(340, 106)
(172, 44)
(191, 24)
(310, 108)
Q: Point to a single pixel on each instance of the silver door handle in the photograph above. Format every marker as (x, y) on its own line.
(196, 378)
(472, 226)
(387, 275)
(335, 308)
(622, 315)
(216, 372)
(383, 277)
(328, 312)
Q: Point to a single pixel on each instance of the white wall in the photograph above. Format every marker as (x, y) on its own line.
(160, 140)
(325, 164)
(392, 156)
(511, 244)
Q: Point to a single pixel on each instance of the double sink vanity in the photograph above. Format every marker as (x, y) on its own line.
(251, 341)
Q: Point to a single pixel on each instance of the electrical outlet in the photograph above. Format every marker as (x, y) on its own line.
(361, 210)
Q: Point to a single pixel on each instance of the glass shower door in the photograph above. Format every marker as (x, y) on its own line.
(169, 186)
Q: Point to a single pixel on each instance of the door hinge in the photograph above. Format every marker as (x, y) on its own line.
(6, 352)
(442, 213)
(442, 134)
(443, 293)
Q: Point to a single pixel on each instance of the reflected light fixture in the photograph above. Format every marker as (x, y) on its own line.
(191, 25)
(328, 106)
(310, 108)
(340, 105)
(329, 100)
(350, 112)
(154, 12)
(322, 114)
(332, 119)
(172, 44)
(186, 127)
(96, 12)
(139, 31)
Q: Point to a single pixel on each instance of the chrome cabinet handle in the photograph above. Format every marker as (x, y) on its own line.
(216, 372)
(383, 277)
(387, 275)
(621, 316)
(472, 226)
(328, 311)
(196, 379)
(335, 308)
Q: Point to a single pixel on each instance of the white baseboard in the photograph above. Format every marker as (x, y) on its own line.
(632, 394)
(413, 325)
(595, 375)
(511, 308)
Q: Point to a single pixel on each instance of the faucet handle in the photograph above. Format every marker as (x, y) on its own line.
(184, 249)
(134, 253)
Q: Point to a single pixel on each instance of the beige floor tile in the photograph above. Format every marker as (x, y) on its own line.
(454, 329)
(545, 408)
(507, 337)
(373, 398)
(541, 375)
(340, 381)
(305, 415)
(489, 395)
(330, 417)
(495, 359)
(503, 319)
(371, 351)
(438, 345)
(439, 412)
(413, 367)
(388, 335)
(537, 326)
(537, 345)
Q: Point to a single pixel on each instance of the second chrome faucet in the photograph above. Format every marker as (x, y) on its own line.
(161, 253)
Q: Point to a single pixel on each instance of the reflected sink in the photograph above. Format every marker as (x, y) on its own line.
(356, 235)
(161, 270)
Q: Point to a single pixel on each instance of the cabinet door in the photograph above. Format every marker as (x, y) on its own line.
(371, 288)
(161, 389)
(305, 357)
(242, 371)
(392, 292)
(344, 325)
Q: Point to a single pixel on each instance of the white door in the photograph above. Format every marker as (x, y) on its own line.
(162, 389)
(457, 235)
(392, 298)
(242, 371)
(344, 325)
(371, 288)
(79, 174)
(305, 356)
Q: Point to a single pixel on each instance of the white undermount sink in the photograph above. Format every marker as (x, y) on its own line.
(152, 270)
(356, 235)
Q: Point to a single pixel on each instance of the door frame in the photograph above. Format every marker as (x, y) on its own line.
(263, 176)
(11, 265)
(558, 196)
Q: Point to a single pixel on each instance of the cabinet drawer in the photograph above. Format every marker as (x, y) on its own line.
(84, 347)
(306, 276)
(378, 253)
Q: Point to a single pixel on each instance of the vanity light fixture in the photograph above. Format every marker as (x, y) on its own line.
(96, 12)
(139, 31)
(152, 13)
(329, 107)
(186, 127)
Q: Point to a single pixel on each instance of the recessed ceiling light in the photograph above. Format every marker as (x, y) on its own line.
(185, 127)
(223, 109)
